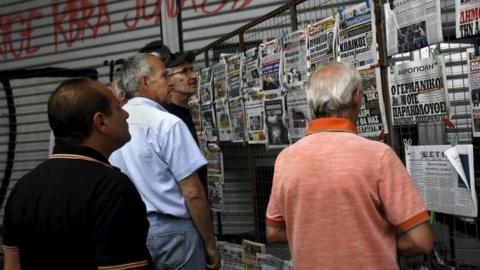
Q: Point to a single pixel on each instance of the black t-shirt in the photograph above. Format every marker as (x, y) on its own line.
(184, 114)
(76, 212)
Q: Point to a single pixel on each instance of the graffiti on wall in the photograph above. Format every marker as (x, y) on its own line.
(74, 20)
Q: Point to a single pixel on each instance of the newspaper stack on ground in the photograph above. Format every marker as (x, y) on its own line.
(474, 88)
(418, 92)
(371, 120)
(357, 34)
(444, 176)
(295, 55)
(231, 255)
(249, 255)
(271, 56)
(321, 41)
(269, 262)
(412, 24)
(466, 18)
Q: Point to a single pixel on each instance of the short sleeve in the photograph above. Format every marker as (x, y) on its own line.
(275, 209)
(403, 205)
(181, 151)
(121, 229)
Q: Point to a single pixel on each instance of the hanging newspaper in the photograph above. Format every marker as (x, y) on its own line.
(357, 34)
(371, 120)
(418, 92)
(205, 86)
(215, 192)
(208, 122)
(295, 53)
(277, 132)
(255, 117)
(250, 250)
(194, 108)
(231, 255)
(215, 160)
(321, 37)
(271, 52)
(444, 176)
(220, 80)
(298, 111)
(234, 77)
(474, 88)
(252, 82)
(269, 262)
(223, 120)
(467, 18)
(237, 119)
(412, 24)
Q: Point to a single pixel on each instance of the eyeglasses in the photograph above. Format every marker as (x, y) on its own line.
(185, 70)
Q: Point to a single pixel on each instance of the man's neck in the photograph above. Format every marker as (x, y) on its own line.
(180, 100)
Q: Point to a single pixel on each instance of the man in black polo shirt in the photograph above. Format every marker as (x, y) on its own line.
(184, 81)
(75, 211)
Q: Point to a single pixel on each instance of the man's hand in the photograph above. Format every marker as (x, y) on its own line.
(214, 260)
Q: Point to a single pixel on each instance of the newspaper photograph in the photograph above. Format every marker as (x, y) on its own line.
(215, 192)
(321, 38)
(249, 256)
(237, 119)
(255, 117)
(298, 111)
(234, 76)
(418, 92)
(275, 124)
(252, 81)
(194, 108)
(271, 55)
(269, 262)
(220, 80)
(474, 89)
(412, 24)
(466, 18)
(371, 119)
(223, 120)
(205, 86)
(231, 255)
(357, 40)
(444, 176)
(295, 56)
(208, 122)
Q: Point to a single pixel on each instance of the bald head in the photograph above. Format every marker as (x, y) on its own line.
(331, 90)
(71, 108)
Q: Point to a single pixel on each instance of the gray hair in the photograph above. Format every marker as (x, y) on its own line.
(132, 71)
(330, 90)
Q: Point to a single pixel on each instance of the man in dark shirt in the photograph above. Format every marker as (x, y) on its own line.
(184, 81)
(75, 211)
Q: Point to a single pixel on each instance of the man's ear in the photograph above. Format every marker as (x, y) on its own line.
(100, 123)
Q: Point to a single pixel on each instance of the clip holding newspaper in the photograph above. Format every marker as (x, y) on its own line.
(444, 176)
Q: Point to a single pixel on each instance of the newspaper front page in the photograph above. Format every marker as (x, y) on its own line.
(357, 36)
(252, 81)
(467, 18)
(269, 262)
(250, 250)
(271, 56)
(298, 111)
(215, 192)
(220, 80)
(371, 119)
(255, 117)
(234, 76)
(231, 255)
(474, 88)
(277, 131)
(295, 55)
(223, 120)
(237, 119)
(418, 92)
(412, 24)
(321, 42)
(205, 86)
(208, 122)
(444, 176)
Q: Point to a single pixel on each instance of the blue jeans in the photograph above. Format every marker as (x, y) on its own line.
(174, 243)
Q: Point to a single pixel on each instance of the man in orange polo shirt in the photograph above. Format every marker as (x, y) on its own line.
(339, 200)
